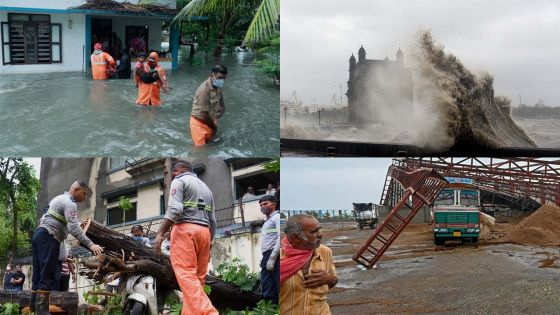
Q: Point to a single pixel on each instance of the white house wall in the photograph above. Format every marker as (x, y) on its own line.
(73, 39)
(148, 204)
(65, 4)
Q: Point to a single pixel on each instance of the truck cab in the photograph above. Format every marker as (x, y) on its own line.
(456, 211)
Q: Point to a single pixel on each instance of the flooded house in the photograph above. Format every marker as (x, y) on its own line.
(59, 35)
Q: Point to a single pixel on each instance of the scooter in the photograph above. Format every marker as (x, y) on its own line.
(140, 296)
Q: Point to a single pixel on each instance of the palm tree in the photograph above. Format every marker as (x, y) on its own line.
(264, 23)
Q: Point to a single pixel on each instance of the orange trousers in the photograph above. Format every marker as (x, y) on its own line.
(149, 94)
(200, 132)
(190, 254)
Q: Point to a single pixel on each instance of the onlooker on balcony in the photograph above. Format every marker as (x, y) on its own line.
(250, 193)
(270, 265)
(270, 190)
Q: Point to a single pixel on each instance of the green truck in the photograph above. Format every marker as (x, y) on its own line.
(456, 211)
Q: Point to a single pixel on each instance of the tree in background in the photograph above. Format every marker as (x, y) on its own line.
(265, 20)
(18, 203)
(268, 61)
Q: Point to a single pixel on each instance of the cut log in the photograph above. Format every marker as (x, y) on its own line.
(123, 254)
(68, 301)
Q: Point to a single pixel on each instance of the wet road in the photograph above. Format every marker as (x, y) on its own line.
(69, 114)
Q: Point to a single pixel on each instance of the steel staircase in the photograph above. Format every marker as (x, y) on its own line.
(419, 188)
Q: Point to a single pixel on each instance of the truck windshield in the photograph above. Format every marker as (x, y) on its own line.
(445, 198)
(469, 198)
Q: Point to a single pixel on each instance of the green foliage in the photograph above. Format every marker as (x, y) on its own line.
(272, 166)
(112, 304)
(264, 307)
(237, 273)
(207, 289)
(9, 309)
(125, 205)
(268, 60)
(174, 303)
(18, 202)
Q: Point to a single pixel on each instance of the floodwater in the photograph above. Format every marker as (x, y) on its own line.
(69, 114)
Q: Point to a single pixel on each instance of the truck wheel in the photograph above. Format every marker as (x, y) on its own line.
(474, 239)
(439, 241)
(361, 227)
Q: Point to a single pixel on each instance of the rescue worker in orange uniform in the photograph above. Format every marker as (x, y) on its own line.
(101, 62)
(149, 92)
(190, 211)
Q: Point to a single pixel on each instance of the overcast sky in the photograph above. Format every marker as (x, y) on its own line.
(36, 163)
(517, 41)
(331, 183)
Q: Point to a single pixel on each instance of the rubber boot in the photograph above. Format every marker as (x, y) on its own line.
(32, 301)
(42, 303)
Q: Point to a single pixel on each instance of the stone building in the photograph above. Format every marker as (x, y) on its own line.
(378, 89)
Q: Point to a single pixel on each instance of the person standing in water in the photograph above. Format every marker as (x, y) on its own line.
(152, 80)
(101, 63)
(208, 106)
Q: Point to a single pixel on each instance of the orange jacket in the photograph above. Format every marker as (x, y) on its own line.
(99, 62)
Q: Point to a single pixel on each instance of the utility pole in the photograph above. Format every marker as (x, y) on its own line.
(166, 181)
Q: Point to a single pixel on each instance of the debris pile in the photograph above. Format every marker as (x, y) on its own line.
(542, 227)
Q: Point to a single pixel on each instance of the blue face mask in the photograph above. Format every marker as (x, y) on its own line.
(219, 83)
(138, 238)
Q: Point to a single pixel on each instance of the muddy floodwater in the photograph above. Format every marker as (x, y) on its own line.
(69, 114)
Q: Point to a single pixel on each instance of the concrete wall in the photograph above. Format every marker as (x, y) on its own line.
(246, 246)
(423, 216)
(73, 40)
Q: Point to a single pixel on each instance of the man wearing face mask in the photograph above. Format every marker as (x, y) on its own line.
(307, 272)
(149, 89)
(60, 219)
(270, 247)
(190, 211)
(208, 106)
(137, 234)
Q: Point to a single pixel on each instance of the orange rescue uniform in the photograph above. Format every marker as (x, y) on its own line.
(99, 60)
(149, 93)
(190, 244)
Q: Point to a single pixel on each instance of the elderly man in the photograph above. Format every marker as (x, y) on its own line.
(306, 268)
(60, 218)
(191, 213)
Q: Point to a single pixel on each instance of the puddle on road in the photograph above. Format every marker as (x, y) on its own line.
(533, 256)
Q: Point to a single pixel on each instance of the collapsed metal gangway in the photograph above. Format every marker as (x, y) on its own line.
(417, 188)
(536, 178)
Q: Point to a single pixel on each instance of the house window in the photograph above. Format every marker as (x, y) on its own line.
(31, 39)
(115, 213)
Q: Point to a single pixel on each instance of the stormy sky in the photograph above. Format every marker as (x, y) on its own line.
(515, 40)
(325, 184)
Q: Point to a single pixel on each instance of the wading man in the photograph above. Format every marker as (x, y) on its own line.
(191, 213)
(270, 265)
(208, 106)
(60, 218)
(306, 268)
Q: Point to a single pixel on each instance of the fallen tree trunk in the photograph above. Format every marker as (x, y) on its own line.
(123, 254)
(66, 300)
